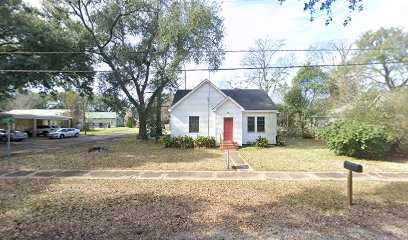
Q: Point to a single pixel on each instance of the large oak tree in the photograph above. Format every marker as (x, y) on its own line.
(23, 29)
(144, 43)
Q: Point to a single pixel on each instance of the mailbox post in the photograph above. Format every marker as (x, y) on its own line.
(352, 167)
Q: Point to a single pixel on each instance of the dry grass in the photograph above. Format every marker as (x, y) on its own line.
(124, 153)
(309, 155)
(130, 209)
(104, 131)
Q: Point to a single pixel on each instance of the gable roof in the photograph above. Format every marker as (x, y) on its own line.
(225, 100)
(182, 97)
(249, 99)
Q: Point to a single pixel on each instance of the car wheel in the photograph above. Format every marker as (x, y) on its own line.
(61, 136)
(45, 133)
(76, 134)
(4, 139)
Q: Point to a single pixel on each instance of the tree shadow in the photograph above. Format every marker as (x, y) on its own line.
(313, 212)
(124, 153)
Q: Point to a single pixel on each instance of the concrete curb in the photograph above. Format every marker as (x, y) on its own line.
(200, 175)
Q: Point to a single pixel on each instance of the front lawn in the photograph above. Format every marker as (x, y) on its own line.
(136, 209)
(104, 131)
(308, 155)
(124, 153)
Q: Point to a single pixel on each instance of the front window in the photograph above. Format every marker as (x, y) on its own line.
(193, 126)
(251, 124)
(260, 124)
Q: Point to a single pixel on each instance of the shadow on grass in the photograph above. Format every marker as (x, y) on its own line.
(124, 153)
(312, 212)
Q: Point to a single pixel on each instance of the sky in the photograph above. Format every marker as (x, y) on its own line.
(247, 20)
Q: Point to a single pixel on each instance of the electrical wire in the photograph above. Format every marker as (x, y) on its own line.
(202, 69)
(210, 51)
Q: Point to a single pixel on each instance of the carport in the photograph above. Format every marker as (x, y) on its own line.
(32, 118)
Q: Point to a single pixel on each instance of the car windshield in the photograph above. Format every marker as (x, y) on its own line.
(61, 130)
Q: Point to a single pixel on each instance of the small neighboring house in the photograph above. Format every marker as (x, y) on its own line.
(234, 115)
(103, 119)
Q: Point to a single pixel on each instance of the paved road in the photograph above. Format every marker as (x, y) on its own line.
(40, 144)
(202, 175)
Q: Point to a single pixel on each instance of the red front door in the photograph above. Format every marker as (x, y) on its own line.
(228, 129)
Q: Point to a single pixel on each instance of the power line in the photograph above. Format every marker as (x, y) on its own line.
(210, 51)
(201, 69)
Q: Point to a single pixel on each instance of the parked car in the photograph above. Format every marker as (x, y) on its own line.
(64, 132)
(43, 130)
(15, 135)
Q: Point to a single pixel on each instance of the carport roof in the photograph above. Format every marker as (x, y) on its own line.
(47, 114)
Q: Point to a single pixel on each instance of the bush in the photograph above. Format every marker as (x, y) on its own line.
(297, 133)
(307, 134)
(178, 142)
(204, 142)
(280, 140)
(356, 139)
(261, 142)
(130, 123)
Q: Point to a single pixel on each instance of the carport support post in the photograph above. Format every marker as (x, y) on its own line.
(9, 145)
(350, 187)
(34, 127)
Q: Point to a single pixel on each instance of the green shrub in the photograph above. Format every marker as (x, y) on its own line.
(356, 139)
(178, 142)
(204, 142)
(280, 140)
(130, 123)
(307, 134)
(297, 133)
(261, 142)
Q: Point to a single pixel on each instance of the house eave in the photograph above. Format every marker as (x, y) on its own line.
(261, 111)
(223, 101)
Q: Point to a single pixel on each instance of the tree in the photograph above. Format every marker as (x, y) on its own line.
(265, 76)
(385, 109)
(295, 104)
(313, 83)
(144, 43)
(26, 100)
(311, 88)
(326, 6)
(23, 29)
(387, 46)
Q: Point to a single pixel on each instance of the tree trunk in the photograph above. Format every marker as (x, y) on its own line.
(142, 124)
(158, 114)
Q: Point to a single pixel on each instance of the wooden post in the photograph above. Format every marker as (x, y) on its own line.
(34, 128)
(350, 187)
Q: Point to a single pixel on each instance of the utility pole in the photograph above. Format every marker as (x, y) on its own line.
(185, 77)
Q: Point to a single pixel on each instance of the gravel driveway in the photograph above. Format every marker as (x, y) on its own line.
(40, 144)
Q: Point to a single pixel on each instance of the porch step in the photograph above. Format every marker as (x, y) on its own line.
(229, 145)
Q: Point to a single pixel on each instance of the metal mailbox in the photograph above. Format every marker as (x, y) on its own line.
(354, 167)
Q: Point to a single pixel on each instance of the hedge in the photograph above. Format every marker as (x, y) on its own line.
(356, 139)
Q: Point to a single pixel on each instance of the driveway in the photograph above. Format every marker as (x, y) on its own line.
(40, 144)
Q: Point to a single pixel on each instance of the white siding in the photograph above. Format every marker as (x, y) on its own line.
(270, 127)
(198, 103)
(229, 109)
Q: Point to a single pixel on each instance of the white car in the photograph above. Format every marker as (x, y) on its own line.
(43, 130)
(15, 135)
(64, 132)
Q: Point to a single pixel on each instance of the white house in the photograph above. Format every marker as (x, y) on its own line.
(236, 115)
